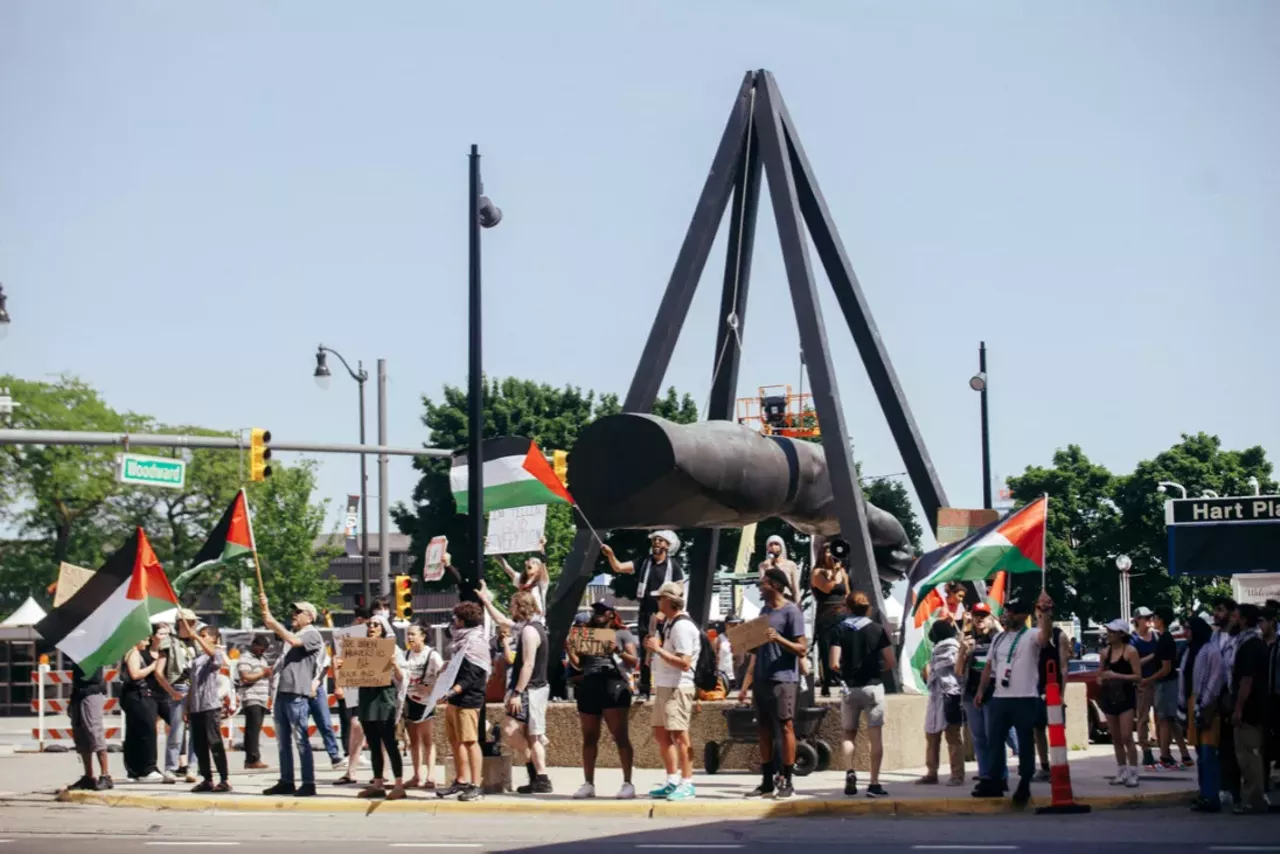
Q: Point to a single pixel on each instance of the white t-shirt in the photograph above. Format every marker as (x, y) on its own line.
(683, 638)
(724, 657)
(1023, 670)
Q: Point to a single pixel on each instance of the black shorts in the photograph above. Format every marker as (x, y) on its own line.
(599, 691)
(774, 701)
(415, 712)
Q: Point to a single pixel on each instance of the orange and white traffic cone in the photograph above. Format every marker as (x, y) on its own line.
(1059, 773)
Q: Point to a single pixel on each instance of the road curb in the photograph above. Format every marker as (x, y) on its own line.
(639, 808)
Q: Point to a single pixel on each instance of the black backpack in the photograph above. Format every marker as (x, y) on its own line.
(705, 676)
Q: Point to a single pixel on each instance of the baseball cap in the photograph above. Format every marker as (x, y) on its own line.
(980, 608)
(672, 590)
(1143, 612)
(187, 614)
(1017, 605)
(306, 608)
(1118, 625)
(605, 603)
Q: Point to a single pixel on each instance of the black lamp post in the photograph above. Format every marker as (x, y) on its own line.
(323, 378)
(4, 314)
(979, 384)
(482, 213)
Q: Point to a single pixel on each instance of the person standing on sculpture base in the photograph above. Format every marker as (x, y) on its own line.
(654, 570)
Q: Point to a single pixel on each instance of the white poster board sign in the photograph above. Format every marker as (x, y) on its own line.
(433, 562)
(1255, 587)
(444, 683)
(338, 635)
(517, 529)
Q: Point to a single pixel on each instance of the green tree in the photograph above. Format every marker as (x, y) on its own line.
(286, 525)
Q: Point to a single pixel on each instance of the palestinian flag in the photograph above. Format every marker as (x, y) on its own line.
(230, 539)
(1012, 545)
(516, 474)
(113, 610)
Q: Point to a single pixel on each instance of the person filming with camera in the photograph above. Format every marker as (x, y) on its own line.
(1013, 666)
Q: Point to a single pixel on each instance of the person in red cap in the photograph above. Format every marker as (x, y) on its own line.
(974, 649)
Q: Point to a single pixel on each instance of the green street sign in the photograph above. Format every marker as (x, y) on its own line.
(151, 471)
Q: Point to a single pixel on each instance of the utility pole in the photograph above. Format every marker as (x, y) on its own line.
(384, 513)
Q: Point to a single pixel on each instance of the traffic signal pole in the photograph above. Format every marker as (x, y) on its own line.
(217, 443)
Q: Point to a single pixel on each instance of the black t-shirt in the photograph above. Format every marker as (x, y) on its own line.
(87, 684)
(861, 641)
(657, 576)
(1167, 650)
(1252, 660)
(977, 663)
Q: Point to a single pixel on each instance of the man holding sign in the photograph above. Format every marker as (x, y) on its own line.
(773, 675)
(297, 670)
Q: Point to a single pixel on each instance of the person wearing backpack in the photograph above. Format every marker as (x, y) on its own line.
(773, 676)
(673, 651)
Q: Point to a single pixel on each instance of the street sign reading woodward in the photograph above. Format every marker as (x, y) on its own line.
(152, 471)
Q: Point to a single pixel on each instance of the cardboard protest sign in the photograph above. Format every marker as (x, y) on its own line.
(749, 635)
(433, 560)
(70, 579)
(584, 640)
(366, 662)
(444, 682)
(340, 635)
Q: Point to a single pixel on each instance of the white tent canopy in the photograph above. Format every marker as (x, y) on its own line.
(28, 614)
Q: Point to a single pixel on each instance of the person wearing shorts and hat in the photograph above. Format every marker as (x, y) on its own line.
(88, 698)
(1144, 641)
(605, 694)
(296, 672)
(1165, 699)
(674, 648)
(653, 572)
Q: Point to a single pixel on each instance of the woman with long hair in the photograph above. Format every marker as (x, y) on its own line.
(378, 709)
(1118, 675)
(944, 715)
(605, 694)
(830, 585)
(138, 702)
(423, 665)
(533, 578)
(1204, 679)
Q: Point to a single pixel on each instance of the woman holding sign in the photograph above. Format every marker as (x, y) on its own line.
(423, 665)
(605, 690)
(378, 709)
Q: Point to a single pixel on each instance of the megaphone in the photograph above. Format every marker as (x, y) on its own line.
(840, 549)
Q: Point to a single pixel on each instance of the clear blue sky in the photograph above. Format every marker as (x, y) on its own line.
(193, 195)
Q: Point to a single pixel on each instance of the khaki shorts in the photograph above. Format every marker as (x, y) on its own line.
(672, 708)
(461, 725)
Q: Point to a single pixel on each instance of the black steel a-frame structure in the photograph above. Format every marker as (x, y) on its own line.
(760, 135)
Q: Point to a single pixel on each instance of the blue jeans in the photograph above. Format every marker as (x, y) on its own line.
(977, 718)
(177, 731)
(290, 714)
(1021, 714)
(319, 709)
(1209, 772)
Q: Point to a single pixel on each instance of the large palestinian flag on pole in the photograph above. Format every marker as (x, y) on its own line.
(113, 610)
(515, 472)
(1012, 545)
(231, 538)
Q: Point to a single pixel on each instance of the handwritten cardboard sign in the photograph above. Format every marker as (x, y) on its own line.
(433, 560)
(366, 662)
(584, 640)
(515, 530)
(749, 635)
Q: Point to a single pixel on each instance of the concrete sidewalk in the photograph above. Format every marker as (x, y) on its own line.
(718, 795)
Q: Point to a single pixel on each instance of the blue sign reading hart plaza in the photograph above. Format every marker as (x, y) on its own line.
(1223, 536)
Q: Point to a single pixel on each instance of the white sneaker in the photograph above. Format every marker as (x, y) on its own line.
(1121, 777)
(153, 777)
(588, 790)
(1132, 782)
(168, 778)
(627, 792)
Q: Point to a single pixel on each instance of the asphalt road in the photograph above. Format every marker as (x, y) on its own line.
(35, 827)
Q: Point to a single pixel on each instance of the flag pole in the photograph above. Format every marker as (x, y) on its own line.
(1044, 547)
(253, 543)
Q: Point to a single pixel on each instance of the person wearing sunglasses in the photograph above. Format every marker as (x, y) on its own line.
(297, 670)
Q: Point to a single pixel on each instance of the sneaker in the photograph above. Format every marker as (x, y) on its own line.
(1022, 795)
(1122, 775)
(1132, 780)
(255, 766)
(663, 791)
(281, 788)
(850, 783)
(168, 779)
(760, 791)
(153, 777)
(337, 762)
(683, 792)
(956, 781)
(588, 790)
(1042, 776)
(191, 777)
(784, 790)
(987, 789)
(1167, 764)
(84, 784)
(928, 780)
(104, 783)
(306, 790)
(627, 792)
(875, 790)
(472, 793)
(202, 787)
(1188, 762)
(539, 785)
(454, 788)
(222, 787)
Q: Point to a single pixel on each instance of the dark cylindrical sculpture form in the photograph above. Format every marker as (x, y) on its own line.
(641, 471)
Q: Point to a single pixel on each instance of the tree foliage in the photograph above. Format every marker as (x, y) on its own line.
(1095, 515)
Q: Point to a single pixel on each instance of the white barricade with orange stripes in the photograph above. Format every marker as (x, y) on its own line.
(43, 675)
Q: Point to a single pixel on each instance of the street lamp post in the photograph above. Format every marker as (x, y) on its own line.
(4, 315)
(360, 375)
(1124, 564)
(978, 382)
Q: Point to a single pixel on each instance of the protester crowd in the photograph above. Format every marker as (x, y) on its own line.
(1216, 696)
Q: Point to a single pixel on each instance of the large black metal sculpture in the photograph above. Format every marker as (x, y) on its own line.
(642, 471)
(761, 136)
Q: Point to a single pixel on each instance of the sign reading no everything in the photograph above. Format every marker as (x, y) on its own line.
(515, 530)
(151, 471)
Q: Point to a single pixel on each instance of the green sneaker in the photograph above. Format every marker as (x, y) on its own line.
(683, 792)
(663, 791)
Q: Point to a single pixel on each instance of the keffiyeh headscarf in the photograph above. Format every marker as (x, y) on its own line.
(472, 643)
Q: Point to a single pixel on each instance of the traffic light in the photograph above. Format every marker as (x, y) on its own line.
(560, 464)
(404, 597)
(259, 454)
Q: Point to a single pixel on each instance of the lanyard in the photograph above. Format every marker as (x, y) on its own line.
(1013, 647)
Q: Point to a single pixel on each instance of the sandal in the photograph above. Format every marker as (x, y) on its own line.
(429, 786)
(346, 780)
(397, 793)
(373, 791)
(928, 780)
(412, 782)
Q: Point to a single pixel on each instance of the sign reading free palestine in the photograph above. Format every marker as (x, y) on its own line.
(152, 471)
